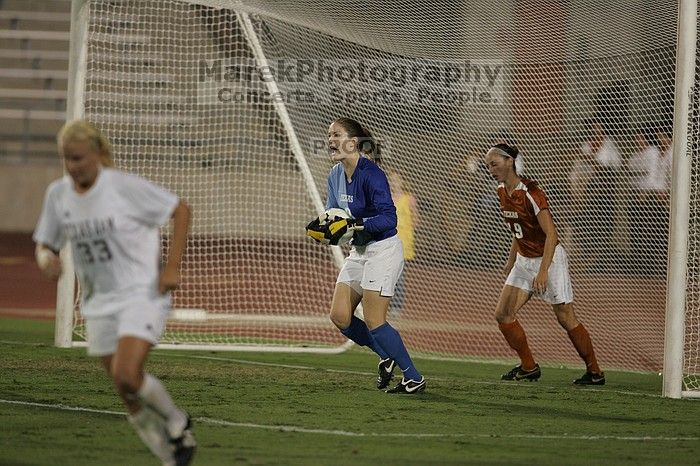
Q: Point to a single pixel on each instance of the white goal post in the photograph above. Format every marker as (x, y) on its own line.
(680, 370)
(227, 103)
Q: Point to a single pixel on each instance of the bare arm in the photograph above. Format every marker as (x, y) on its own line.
(544, 218)
(170, 275)
(48, 261)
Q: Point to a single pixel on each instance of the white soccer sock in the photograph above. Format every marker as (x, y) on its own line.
(153, 394)
(151, 429)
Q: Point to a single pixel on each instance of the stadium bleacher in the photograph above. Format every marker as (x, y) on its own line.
(33, 76)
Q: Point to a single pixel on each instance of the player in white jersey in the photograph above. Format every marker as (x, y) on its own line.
(112, 220)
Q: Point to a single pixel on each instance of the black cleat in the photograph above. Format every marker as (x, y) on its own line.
(386, 372)
(591, 378)
(408, 386)
(517, 373)
(184, 446)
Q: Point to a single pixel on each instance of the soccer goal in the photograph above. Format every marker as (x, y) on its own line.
(227, 103)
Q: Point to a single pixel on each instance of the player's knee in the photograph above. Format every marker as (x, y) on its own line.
(126, 380)
(373, 321)
(563, 321)
(503, 316)
(568, 323)
(340, 319)
(565, 316)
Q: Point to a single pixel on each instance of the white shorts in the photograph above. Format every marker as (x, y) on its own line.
(143, 318)
(559, 290)
(375, 267)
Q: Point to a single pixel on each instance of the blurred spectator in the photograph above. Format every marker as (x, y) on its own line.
(407, 216)
(649, 209)
(646, 165)
(573, 236)
(665, 138)
(462, 189)
(603, 161)
(476, 207)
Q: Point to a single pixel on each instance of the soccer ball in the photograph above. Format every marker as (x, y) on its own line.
(327, 218)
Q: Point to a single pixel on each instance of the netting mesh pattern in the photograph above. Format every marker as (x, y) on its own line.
(584, 89)
(247, 266)
(691, 356)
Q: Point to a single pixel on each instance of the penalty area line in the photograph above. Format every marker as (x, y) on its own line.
(344, 433)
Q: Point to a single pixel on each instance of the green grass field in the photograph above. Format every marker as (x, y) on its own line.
(58, 408)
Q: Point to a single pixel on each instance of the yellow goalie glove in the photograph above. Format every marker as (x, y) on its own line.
(334, 227)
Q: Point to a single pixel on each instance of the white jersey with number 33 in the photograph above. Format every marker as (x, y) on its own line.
(114, 232)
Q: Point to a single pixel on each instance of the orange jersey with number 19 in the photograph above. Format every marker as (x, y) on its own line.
(520, 211)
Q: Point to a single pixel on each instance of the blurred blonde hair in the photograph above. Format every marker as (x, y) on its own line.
(84, 131)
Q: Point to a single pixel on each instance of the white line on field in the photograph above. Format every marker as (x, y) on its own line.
(344, 433)
(344, 371)
(61, 407)
(22, 343)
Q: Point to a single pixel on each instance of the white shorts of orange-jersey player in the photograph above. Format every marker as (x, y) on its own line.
(559, 289)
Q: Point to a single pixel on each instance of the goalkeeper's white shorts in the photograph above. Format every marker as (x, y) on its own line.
(141, 317)
(375, 267)
(559, 290)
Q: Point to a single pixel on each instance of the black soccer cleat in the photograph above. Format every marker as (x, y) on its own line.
(517, 373)
(386, 372)
(591, 378)
(184, 446)
(408, 386)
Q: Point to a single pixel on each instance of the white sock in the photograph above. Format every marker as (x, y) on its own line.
(153, 394)
(151, 429)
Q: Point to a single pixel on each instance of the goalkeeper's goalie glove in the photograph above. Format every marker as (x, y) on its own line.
(339, 226)
(318, 231)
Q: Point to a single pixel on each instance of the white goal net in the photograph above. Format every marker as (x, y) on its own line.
(227, 103)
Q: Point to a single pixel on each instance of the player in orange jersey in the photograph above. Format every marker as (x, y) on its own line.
(537, 265)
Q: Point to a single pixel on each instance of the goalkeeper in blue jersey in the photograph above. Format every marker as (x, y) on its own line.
(369, 274)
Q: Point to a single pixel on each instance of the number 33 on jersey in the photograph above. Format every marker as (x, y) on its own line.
(114, 232)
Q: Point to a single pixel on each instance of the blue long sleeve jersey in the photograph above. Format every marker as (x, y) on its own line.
(367, 197)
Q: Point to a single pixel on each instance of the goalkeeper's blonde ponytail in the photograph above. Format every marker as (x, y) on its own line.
(84, 131)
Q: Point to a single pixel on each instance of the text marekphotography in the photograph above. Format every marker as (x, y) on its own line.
(395, 82)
